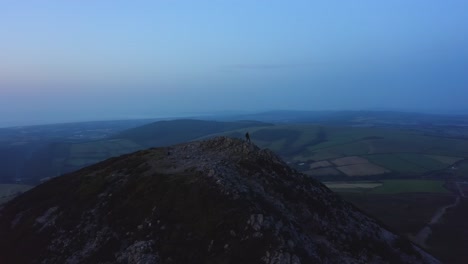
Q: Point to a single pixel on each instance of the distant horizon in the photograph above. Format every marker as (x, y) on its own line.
(67, 61)
(220, 114)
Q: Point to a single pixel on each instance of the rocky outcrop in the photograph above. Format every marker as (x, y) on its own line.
(216, 201)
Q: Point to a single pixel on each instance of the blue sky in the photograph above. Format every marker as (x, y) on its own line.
(79, 60)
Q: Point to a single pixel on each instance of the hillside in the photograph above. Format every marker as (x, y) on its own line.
(215, 201)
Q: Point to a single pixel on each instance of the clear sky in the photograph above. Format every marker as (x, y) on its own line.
(107, 59)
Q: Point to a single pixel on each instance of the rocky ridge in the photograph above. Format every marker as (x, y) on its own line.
(216, 201)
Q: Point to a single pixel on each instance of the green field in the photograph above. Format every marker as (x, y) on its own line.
(410, 186)
(394, 162)
(390, 187)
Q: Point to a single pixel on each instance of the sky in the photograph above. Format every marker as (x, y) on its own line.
(63, 61)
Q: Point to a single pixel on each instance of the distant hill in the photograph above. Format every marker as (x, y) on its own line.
(357, 118)
(27, 152)
(34, 153)
(216, 201)
(165, 133)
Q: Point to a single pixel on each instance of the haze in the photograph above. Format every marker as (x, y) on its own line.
(66, 61)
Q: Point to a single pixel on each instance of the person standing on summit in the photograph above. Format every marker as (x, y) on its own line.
(247, 137)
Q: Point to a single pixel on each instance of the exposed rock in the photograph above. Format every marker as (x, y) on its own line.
(140, 252)
(216, 201)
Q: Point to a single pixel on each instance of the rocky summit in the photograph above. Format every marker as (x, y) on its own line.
(222, 200)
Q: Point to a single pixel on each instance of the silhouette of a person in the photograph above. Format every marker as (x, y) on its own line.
(247, 137)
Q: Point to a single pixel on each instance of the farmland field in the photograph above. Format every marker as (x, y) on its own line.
(362, 169)
(352, 185)
(423, 161)
(323, 172)
(320, 164)
(410, 186)
(395, 163)
(349, 161)
(391, 186)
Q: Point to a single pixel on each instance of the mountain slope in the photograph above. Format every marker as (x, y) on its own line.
(215, 201)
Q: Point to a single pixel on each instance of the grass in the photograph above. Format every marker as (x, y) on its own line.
(423, 161)
(362, 169)
(410, 186)
(352, 185)
(396, 163)
(389, 186)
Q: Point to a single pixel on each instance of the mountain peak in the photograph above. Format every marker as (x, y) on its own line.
(221, 200)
